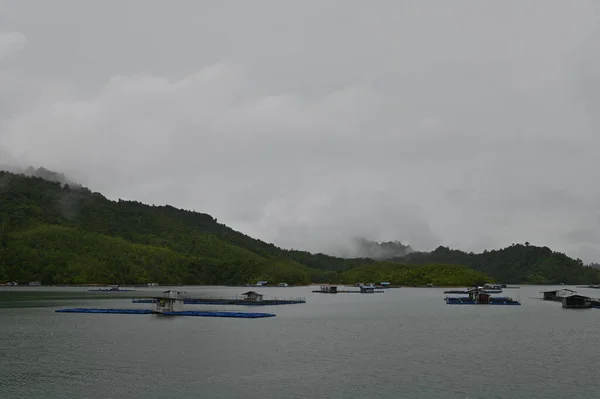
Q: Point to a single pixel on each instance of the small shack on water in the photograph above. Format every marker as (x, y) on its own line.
(479, 295)
(576, 301)
(171, 301)
(367, 289)
(328, 289)
(557, 295)
(252, 296)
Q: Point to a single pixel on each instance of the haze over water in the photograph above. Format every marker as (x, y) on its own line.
(405, 343)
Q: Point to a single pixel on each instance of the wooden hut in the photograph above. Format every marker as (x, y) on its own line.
(171, 301)
(252, 296)
(576, 302)
(556, 295)
(479, 295)
(329, 289)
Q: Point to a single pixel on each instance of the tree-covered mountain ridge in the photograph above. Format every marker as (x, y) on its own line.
(66, 234)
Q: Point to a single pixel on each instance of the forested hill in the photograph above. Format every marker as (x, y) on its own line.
(56, 233)
(518, 263)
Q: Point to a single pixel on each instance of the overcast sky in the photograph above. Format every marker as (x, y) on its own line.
(472, 124)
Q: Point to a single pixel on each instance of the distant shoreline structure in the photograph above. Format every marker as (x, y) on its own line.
(125, 286)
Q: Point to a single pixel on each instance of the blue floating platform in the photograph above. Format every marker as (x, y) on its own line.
(266, 302)
(244, 315)
(493, 301)
(114, 311)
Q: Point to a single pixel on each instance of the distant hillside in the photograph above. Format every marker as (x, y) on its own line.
(396, 273)
(56, 231)
(518, 263)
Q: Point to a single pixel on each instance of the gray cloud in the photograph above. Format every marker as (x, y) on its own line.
(589, 236)
(11, 42)
(307, 124)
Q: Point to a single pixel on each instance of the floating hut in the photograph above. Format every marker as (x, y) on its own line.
(252, 296)
(172, 301)
(557, 295)
(367, 289)
(576, 301)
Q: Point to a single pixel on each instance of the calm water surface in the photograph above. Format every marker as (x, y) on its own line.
(406, 343)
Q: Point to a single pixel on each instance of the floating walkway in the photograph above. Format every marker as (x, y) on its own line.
(215, 301)
(333, 289)
(487, 291)
(349, 292)
(250, 298)
(244, 315)
(491, 301)
(112, 288)
(114, 311)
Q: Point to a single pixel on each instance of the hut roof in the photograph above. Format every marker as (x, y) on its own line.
(560, 289)
(577, 296)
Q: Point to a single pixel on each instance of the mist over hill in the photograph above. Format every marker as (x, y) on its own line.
(361, 247)
(40, 172)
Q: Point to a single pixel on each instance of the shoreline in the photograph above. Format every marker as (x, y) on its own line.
(159, 287)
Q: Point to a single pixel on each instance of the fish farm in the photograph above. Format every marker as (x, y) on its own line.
(570, 299)
(491, 301)
(250, 298)
(170, 304)
(487, 288)
(332, 289)
(112, 288)
(479, 296)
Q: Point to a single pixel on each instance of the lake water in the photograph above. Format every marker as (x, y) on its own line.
(405, 343)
